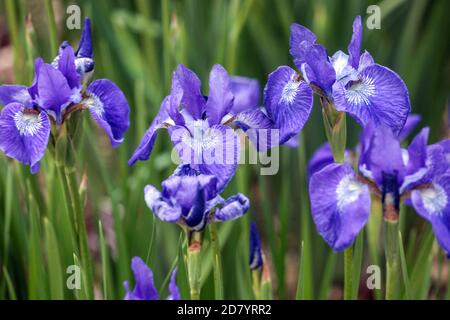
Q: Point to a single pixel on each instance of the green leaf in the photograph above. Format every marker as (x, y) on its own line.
(53, 262)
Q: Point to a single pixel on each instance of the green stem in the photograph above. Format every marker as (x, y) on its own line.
(305, 272)
(348, 273)
(392, 257)
(194, 264)
(256, 283)
(218, 278)
(81, 231)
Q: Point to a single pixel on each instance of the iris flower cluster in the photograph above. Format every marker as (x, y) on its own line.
(202, 130)
(352, 83)
(417, 175)
(59, 89)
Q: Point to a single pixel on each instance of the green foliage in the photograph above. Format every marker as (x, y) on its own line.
(137, 45)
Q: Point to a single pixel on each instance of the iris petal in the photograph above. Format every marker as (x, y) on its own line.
(54, 91)
(145, 287)
(288, 102)
(161, 207)
(24, 134)
(109, 107)
(433, 204)
(247, 94)
(379, 96)
(145, 147)
(340, 205)
(192, 100)
(12, 93)
(220, 98)
(354, 48)
(233, 208)
(300, 40)
(211, 150)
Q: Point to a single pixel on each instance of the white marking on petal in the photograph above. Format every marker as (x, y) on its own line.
(201, 136)
(360, 91)
(304, 74)
(339, 61)
(434, 199)
(76, 95)
(416, 176)
(405, 156)
(28, 124)
(94, 104)
(289, 91)
(348, 191)
(366, 172)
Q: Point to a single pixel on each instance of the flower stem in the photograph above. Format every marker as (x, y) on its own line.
(218, 278)
(256, 283)
(80, 224)
(392, 257)
(194, 264)
(348, 273)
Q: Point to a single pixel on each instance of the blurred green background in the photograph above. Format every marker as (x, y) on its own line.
(138, 44)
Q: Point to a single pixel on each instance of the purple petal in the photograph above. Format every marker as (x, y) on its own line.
(292, 142)
(66, 64)
(33, 90)
(382, 155)
(318, 70)
(145, 147)
(300, 40)
(234, 207)
(24, 134)
(417, 151)
(412, 121)
(256, 126)
(247, 94)
(344, 71)
(109, 107)
(85, 47)
(340, 205)
(321, 158)
(12, 93)
(288, 102)
(354, 48)
(436, 165)
(211, 150)
(174, 102)
(365, 61)
(145, 287)
(182, 189)
(174, 292)
(433, 204)
(255, 257)
(197, 218)
(380, 96)
(192, 100)
(54, 91)
(160, 206)
(220, 98)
